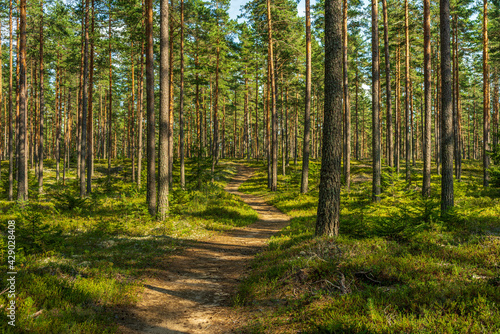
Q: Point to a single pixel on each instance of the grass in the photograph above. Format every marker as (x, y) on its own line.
(78, 259)
(396, 267)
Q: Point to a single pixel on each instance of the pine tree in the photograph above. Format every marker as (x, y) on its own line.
(327, 221)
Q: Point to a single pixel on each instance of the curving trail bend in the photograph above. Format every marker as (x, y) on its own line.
(191, 291)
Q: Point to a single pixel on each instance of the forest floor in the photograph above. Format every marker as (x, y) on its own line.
(102, 264)
(192, 291)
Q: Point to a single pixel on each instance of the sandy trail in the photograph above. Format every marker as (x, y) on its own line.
(192, 291)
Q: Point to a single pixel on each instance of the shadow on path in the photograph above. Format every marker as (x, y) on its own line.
(191, 292)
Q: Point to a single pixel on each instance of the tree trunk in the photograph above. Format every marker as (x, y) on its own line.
(42, 107)
(397, 130)
(199, 115)
(407, 95)
(486, 98)
(274, 116)
(390, 144)
(181, 103)
(171, 99)
(495, 109)
(233, 150)
(307, 113)
(347, 107)
(426, 183)
(110, 113)
(246, 135)
(282, 129)
(22, 189)
(296, 142)
(132, 74)
(375, 105)
(58, 116)
(90, 125)
(11, 134)
(150, 111)
(287, 144)
(140, 92)
(327, 222)
(83, 125)
(268, 130)
(446, 110)
(256, 153)
(215, 154)
(413, 127)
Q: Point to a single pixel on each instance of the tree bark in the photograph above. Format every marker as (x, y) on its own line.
(447, 197)
(390, 143)
(375, 105)
(58, 116)
(274, 117)
(426, 183)
(486, 99)
(495, 109)
(11, 116)
(397, 130)
(171, 99)
(327, 222)
(140, 93)
(42, 107)
(132, 102)
(357, 116)
(22, 189)
(347, 107)
(110, 98)
(307, 113)
(150, 111)
(90, 125)
(407, 95)
(181, 103)
(83, 125)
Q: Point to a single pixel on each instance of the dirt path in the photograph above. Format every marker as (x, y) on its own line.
(192, 291)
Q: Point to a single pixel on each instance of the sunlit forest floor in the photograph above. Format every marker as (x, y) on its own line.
(78, 259)
(397, 266)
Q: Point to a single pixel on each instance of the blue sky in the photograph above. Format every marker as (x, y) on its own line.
(234, 9)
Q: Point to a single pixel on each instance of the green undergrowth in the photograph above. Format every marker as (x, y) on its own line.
(396, 267)
(79, 259)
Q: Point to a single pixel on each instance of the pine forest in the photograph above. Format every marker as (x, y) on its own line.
(249, 166)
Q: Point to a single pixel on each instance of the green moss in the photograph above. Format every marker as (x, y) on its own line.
(396, 267)
(78, 259)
